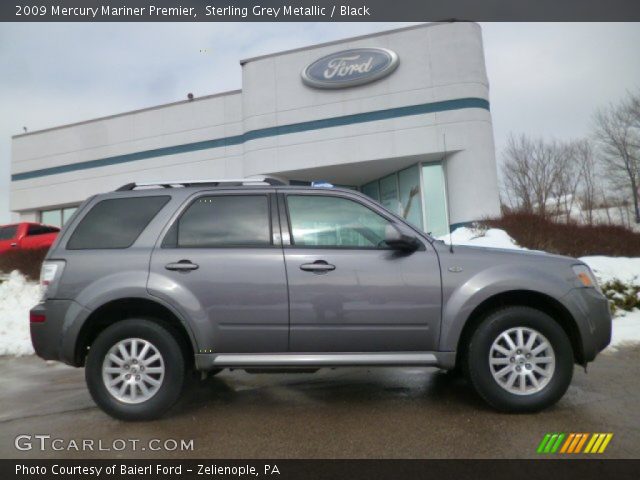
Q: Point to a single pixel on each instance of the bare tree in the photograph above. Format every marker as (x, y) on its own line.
(568, 177)
(516, 175)
(588, 183)
(539, 176)
(617, 131)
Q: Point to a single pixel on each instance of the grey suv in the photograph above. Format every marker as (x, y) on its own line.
(153, 281)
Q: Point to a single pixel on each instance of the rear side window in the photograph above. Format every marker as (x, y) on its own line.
(115, 223)
(7, 233)
(223, 221)
(40, 230)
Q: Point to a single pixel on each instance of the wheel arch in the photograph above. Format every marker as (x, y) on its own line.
(132, 307)
(527, 298)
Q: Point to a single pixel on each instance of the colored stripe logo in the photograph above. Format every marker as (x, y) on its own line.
(267, 132)
(573, 443)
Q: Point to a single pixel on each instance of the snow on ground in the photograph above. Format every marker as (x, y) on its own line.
(625, 269)
(17, 296)
(626, 329)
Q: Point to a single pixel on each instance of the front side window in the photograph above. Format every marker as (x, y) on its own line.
(324, 221)
(115, 223)
(223, 221)
(7, 233)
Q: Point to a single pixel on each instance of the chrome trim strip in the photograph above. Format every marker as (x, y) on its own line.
(322, 359)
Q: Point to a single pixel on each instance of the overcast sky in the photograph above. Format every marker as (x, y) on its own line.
(546, 79)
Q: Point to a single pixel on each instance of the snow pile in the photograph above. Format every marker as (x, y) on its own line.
(625, 269)
(493, 237)
(17, 296)
(626, 329)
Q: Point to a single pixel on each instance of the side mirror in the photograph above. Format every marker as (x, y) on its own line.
(397, 240)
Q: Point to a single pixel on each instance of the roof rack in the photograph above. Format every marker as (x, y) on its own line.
(229, 182)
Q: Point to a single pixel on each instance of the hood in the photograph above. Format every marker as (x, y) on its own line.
(504, 254)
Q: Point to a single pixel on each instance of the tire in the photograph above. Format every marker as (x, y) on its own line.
(486, 359)
(167, 371)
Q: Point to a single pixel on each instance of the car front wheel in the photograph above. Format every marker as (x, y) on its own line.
(135, 370)
(520, 360)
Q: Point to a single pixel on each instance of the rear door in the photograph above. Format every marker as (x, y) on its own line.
(221, 263)
(348, 291)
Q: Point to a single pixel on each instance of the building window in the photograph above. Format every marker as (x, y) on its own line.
(389, 193)
(420, 201)
(435, 200)
(57, 217)
(409, 192)
(372, 190)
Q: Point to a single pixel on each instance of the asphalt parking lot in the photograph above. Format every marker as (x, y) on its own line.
(343, 413)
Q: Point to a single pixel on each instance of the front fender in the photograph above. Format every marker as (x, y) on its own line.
(461, 299)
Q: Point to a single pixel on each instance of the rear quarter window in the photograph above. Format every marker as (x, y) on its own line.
(115, 223)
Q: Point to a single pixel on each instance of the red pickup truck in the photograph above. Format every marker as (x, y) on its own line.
(26, 235)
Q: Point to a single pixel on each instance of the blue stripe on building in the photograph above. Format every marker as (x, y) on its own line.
(345, 120)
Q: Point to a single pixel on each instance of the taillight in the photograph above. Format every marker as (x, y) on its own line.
(37, 317)
(49, 273)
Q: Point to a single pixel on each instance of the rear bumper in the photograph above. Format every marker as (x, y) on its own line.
(592, 314)
(54, 339)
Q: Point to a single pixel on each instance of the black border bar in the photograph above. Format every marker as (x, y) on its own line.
(319, 10)
(567, 469)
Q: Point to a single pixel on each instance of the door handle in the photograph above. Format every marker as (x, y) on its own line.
(14, 244)
(182, 266)
(319, 266)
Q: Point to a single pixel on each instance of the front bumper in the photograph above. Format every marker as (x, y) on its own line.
(592, 314)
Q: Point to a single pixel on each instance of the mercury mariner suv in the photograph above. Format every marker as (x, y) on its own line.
(153, 281)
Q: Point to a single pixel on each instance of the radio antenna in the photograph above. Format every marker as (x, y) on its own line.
(446, 190)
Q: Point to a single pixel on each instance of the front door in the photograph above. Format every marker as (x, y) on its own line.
(348, 291)
(8, 239)
(219, 265)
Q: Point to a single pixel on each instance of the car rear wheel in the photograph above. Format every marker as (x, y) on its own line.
(520, 360)
(135, 370)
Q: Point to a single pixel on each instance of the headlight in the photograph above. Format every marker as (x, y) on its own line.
(585, 276)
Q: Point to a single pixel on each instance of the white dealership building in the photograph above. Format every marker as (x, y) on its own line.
(401, 115)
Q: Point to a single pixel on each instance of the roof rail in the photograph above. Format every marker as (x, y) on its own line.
(233, 182)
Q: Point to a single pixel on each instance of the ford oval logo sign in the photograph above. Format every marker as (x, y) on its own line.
(349, 68)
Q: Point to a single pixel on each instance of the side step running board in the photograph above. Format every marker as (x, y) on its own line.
(241, 360)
